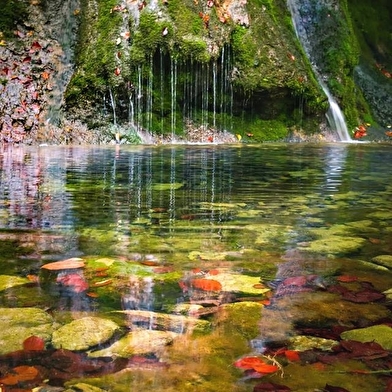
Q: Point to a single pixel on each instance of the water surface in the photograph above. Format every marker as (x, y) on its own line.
(263, 243)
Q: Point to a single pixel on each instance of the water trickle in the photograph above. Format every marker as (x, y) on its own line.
(302, 18)
(113, 105)
(173, 90)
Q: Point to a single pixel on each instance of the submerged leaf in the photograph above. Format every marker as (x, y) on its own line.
(206, 284)
(271, 387)
(34, 343)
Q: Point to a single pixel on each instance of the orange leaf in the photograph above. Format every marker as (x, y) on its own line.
(72, 263)
(265, 368)
(248, 362)
(292, 355)
(102, 283)
(206, 284)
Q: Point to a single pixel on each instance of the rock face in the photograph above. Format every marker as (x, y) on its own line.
(94, 72)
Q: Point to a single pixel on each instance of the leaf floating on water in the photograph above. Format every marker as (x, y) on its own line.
(73, 263)
(206, 284)
(34, 343)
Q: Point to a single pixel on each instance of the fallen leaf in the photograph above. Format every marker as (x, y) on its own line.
(74, 282)
(33, 343)
(206, 284)
(292, 355)
(72, 263)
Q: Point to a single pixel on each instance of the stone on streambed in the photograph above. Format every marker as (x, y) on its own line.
(139, 342)
(84, 333)
(171, 322)
(17, 324)
(303, 343)
(8, 281)
(381, 334)
(383, 260)
(334, 245)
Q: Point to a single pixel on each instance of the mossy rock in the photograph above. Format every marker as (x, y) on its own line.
(334, 245)
(8, 281)
(137, 342)
(384, 260)
(17, 324)
(381, 334)
(84, 333)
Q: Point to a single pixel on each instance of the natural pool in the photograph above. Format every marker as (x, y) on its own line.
(196, 268)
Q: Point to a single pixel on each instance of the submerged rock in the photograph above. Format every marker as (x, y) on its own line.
(381, 334)
(84, 333)
(303, 343)
(19, 324)
(334, 245)
(383, 260)
(137, 342)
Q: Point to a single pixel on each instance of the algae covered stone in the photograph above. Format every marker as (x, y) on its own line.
(381, 334)
(384, 260)
(334, 245)
(17, 324)
(84, 333)
(137, 342)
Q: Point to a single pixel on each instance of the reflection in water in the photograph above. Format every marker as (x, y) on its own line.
(173, 236)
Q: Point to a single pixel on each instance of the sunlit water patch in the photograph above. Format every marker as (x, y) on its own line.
(202, 268)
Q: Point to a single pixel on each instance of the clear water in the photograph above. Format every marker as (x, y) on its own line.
(148, 221)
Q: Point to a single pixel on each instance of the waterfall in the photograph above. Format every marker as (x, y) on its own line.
(302, 24)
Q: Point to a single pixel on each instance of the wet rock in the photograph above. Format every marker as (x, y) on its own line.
(303, 343)
(383, 260)
(334, 245)
(84, 333)
(8, 281)
(18, 324)
(83, 387)
(381, 334)
(137, 342)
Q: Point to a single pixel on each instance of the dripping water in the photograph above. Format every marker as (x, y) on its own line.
(113, 104)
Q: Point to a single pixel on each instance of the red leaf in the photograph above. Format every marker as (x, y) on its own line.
(265, 368)
(247, 362)
(292, 355)
(256, 364)
(35, 47)
(34, 343)
(73, 281)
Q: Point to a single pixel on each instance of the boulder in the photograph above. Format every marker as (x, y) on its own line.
(139, 342)
(84, 333)
(18, 324)
(381, 334)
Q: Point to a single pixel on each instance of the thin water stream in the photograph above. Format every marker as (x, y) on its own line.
(196, 267)
(303, 22)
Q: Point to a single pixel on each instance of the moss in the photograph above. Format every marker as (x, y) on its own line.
(12, 12)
